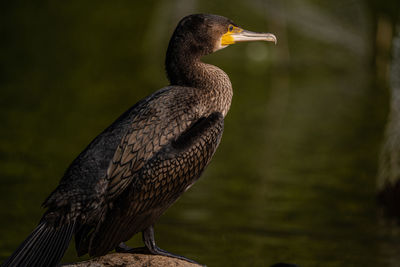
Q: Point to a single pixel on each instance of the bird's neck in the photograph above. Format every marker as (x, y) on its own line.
(190, 71)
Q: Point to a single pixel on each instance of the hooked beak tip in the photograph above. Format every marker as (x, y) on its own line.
(271, 38)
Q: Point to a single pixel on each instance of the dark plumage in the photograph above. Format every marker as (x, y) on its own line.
(136, 168)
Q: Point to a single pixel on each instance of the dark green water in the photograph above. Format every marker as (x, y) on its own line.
(294, 177)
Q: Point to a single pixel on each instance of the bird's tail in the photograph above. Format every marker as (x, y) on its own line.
(45, 246)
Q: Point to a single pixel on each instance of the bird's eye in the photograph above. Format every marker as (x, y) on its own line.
(230, 28)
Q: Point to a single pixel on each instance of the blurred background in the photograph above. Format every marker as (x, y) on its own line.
(294, 178)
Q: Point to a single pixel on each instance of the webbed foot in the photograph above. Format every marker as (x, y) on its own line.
(150, 247)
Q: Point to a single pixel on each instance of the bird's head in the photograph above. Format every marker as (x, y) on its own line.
(204, 34)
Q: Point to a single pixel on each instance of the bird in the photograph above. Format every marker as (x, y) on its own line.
(134, 170)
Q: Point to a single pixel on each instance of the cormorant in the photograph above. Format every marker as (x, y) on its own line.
(130, 174)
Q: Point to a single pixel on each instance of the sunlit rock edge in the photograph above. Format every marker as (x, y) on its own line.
(132, 260)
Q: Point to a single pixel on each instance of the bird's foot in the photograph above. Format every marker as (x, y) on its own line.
(154, 250)
(123, 248)
(158, 251)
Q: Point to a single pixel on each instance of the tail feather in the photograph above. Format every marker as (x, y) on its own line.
(21, 251)
(59, 251)
(39, 256)
(63, 244)
(45, 246)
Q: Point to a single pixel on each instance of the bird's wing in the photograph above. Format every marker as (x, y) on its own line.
(111, 162)
(179, 164)
(158, 122)
(163, 178)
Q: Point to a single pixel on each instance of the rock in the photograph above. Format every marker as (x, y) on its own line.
(132, 260)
